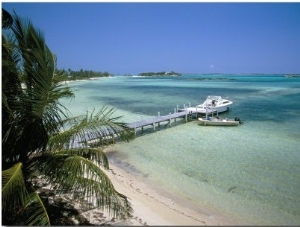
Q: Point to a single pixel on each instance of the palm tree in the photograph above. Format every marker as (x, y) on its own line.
(40, 139)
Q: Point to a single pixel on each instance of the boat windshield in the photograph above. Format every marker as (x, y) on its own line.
(212, 101)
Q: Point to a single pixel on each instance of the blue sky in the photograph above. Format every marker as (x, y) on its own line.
(194, 37)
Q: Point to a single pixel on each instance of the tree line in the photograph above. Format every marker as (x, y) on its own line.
(172, 73)
(82, 74)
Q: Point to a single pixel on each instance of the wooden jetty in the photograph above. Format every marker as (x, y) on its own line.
(158, 119)
(184, 113)
(135, 126)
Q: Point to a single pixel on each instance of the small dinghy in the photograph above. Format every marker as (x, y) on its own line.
(217, 121)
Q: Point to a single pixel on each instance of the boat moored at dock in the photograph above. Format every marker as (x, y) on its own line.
(212, 104)
(216, 121)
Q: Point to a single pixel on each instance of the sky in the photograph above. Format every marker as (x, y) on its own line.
(194, 37)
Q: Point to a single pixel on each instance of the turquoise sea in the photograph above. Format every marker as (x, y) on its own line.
(249, 173)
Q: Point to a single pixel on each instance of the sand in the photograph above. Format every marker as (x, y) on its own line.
(150, 207)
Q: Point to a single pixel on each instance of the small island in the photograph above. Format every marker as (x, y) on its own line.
(172, 73)
(292, 76)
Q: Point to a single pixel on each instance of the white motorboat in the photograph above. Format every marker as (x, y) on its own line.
(216, 121)
(212, 104)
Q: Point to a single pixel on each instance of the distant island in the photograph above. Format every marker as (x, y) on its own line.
(293, 76)
(160, 74)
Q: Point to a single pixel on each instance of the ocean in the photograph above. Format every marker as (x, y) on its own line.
(249, 173)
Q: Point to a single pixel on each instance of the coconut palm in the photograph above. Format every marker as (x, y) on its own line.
(39, 139)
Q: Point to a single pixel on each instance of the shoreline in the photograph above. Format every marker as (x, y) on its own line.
(84, 80)
(251, 202)
(152, 206)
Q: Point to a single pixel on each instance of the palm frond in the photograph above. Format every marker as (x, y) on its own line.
(39, 65)
(7, 19)
(75, 174)
(35, 112)
(35, 212)
(96, 155)
(14, 191)
(100, 125)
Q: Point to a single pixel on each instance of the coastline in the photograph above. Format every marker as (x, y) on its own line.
(253, 189)
(83, 80)
(153, 207)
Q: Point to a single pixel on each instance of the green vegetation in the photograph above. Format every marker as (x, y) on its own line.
(38, 136)
(293, 76)
(82, 74)
(160, 74)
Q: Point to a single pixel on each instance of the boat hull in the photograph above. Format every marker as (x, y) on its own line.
(218, 122)
(202, 110)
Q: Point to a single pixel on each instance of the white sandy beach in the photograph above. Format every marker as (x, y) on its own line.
(152, 208)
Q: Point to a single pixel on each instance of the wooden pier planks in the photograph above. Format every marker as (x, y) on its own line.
(135, 125)
(157, 120)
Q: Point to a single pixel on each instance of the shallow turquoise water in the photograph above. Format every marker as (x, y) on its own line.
(250, 173)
